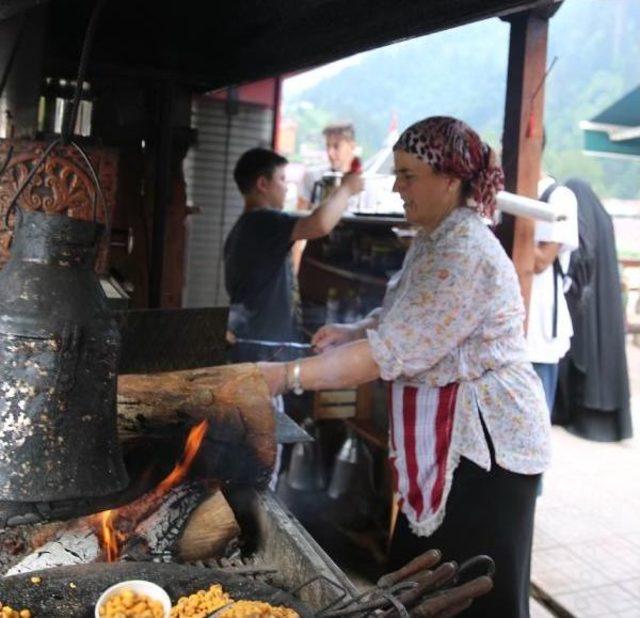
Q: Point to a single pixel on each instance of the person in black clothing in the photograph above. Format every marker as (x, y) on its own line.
(257, 262)
(593, 388)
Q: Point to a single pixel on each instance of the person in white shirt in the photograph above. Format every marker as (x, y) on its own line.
(341, 147)
(549, 325)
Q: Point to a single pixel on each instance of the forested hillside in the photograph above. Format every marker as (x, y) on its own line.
(462, 72)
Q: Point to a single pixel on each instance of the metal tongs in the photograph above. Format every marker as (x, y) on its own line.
(417, 591)
(275, 349)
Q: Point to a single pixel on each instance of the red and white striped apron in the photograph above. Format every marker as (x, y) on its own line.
(420, 430)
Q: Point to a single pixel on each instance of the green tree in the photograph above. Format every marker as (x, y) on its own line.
(462, 72)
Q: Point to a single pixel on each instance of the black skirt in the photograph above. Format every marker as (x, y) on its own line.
(487, 513)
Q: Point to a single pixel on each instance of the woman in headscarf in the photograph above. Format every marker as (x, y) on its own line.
(469, 428)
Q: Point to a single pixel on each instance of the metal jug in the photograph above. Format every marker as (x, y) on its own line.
(352, 471)
(306, 469)
(59, 351)
(323, 188)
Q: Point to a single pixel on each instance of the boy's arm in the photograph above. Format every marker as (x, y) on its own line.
(324, 218)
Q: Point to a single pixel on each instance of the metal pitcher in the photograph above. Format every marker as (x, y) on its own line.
(353, 470)
(59, 350)
(306, 469)
(323, 188)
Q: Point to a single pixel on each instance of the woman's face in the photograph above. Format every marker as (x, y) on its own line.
(428, 196)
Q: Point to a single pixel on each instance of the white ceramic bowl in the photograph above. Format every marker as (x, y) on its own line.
(139, 586)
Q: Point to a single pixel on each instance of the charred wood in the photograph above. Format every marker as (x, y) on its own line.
(240, 444)
(76, 545)
(149, 527)
(157, 533)
(18, 541)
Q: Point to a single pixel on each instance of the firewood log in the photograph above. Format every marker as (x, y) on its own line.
(234, 399)
(211, 527)
(150, 525)
(158, 531)
(79, 544)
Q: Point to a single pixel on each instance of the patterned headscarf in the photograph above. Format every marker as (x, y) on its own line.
(452, 147)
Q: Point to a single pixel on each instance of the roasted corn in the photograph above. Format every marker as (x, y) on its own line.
(7, 611)
(203, 603)
(129, 604)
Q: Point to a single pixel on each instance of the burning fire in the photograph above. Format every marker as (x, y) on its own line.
(110, 537)
(191, 447)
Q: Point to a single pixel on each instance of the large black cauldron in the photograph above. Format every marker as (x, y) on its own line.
(58, 362)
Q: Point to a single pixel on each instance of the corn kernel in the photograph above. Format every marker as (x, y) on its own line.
(129, 604)
(202, 603)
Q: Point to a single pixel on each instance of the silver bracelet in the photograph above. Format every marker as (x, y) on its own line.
(296, 387)
(286, 385)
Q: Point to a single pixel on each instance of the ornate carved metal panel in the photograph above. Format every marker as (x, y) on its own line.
(61, 185)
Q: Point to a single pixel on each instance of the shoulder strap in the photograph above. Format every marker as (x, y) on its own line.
(546, 194)
(557, 268)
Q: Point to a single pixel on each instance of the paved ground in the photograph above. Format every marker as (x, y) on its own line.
(587, 541)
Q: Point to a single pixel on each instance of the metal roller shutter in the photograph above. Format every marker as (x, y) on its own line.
(208, 171)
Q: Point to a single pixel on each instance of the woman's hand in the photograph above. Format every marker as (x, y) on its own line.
(275, 375)
(333, 335)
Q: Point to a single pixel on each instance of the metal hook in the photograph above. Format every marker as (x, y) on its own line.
(99, 193)
(7, 160)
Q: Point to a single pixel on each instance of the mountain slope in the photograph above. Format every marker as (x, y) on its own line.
(462, 72)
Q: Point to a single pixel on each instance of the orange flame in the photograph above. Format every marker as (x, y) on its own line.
(110, 537)
(194, 440)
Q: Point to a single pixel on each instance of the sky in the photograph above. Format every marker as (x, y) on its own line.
(307, 79)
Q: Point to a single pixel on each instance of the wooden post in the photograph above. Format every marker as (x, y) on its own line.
(175, 237)
(172, 139)
(522, 138)
(277, 102)
(162, 189)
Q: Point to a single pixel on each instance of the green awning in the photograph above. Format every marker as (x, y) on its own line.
(615, 132)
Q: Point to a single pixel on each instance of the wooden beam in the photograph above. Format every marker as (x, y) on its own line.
(217, 44)
(522, 138)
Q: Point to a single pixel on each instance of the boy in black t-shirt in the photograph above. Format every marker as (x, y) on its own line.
(257, 260)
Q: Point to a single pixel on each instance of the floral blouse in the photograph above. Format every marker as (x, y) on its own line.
(454, 314)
